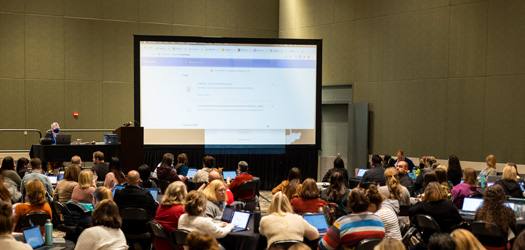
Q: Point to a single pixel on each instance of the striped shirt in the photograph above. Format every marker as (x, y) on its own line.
(350, 229)
(388, 215)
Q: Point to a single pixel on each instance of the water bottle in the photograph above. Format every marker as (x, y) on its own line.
(482, 182)
(49, 232)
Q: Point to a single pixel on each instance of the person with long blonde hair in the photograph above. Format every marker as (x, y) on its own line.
(465, 240)
(282, 224)
(83, 192)
(170, 210)
(393, 189)
(215, 193)
(390, 244)
(509, 182)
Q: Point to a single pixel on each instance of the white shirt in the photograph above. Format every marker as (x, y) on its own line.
(101, 237)
(203, 224)
(8, 242)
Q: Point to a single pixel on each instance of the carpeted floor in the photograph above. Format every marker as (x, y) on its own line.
(265, 203)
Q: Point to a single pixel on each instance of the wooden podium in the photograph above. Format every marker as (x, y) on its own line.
(131, 151)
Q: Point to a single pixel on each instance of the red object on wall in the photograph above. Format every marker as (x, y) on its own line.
(76, 114)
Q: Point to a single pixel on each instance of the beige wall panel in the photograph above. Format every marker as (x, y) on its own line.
(12, 33)
(12, 5)
(49, 7)
(506, 37)
(83, 8)
(83, 49)
(468, 40)
(44, 53)
(156, 11)
(45, 103)
(312, 12)
(179, 30)
(400, 52)
(338, 54)
(288, 14)
(13, 107)
(155, 29)
(456, 2)
(505, 118)
(84, 97)
(257, 33)
(465, 104)
(117, 99)
(257, 14)
(189, 12)
(344, 10)
(221, 32)
(221, 13)
(118, 50)
(432, 44)
(367, 46)
(127, 10)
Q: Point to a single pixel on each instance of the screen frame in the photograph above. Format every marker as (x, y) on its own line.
(137, 39)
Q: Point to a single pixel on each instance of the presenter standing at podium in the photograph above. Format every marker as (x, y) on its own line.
(53, 132)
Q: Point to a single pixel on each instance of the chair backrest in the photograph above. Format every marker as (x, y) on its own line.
(134, 214)
(282, 244)
(36, 218)
(158, 230)
(489, 234)
(426, 225)
(57, 219)
(247, 190)
(367, 244)
(180, 236)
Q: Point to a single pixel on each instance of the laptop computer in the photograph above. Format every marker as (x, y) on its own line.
(227, 214)
(191, 173)
(229, 174)
(63, 139)
(155, 193)
(53, 179)
(470, 206)
(240, 221)
(33, 237)
(317, 220)
(361, 172)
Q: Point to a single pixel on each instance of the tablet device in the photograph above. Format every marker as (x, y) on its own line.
(33, 237)
(191, 173)
(317, 220)
(227, 214)
(240, 221)
(230, 174)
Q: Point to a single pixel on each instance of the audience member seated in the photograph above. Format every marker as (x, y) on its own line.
(350, 229)
(404, 178)
(83, 192)
(194, 219)
(426, 164)
(509, 182)
(105, 233)
(166, 172)
(441, 241)
(308, 200)
(282, 224)
(519, 242)
(390, 244)
(208, 164)
(145, 174)
(8, 170)
(215, 175)
(466, 189)
(115, 175)
(292, 185)
(454, 170)
(5, 195)
(494, 211)
(102, 193)
(339, 166)
(376, 173)
(9, 190)
(132, 195)
(215, 193)
(21, 166)
(400, 156)
(169, 211)
(182, 164)
(441, 174)
(394, 190)
(36, 173)
(100, 167)
(242, 177)
(386, 210)
(435, 204)
(7, 241)
(35, 201)
(76, 160)
(490, 169)
(64, 188)
(465, 240)
(337, 193)
(200, 241)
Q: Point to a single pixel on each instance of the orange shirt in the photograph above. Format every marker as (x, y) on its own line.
(25, 208)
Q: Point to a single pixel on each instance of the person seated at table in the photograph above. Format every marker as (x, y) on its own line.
(8, 170)
(350, 229)
(145, 174)
(493, 209)
(435, 204)
(441, 241)
(465, 189)
(100, 167)
(208, 164)
(441, 174)
(22, 166)
(215, 175)
(390, 244)
(339, 166)
(465, 240)
(53, 132)
(115, 175)
(36, 173)
(337, 193)
(200, 241)
(64, 188)
(133, 196)
(393, 189)
(509, 182)
(9, 191)
(83, 192)
(308, 200)
(102, 193)
(194, 218)
(387, 210)
(215, 193)
(242, 177)
(292, 185)
(402, 174)
(282, 224)
(7, 241)
(35, 201)
(166, 172)
(376, 173)
(169, 211)
(106, 232)
(182, 164)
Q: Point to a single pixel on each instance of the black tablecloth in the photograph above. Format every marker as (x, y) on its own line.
(248, 239)
(57, 153)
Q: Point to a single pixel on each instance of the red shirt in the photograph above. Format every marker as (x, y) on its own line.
(168, 217)
(240, 179)
(301, 206)
(229, 197)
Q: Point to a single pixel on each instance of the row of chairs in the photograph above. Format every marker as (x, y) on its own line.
(176, 239)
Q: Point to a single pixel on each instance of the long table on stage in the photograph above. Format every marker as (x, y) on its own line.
(57, 153)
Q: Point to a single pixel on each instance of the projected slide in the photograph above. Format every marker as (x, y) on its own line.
(228, 93)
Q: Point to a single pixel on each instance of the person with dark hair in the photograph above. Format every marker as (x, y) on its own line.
(8, 170)
(7, 241)
(115, 175)
(493, 209)
(21, 166)
(441, 241)
(376, 173)
(182, 164)
(388, 161)
(350, 229)
(337, 193)
(105, 233)
(386, 210)
(441, 174)
(425, 167)
(145, 174)
(308, 200)
(100, 167)
(35, 201)
(200, 241)
(65, 187)
(291, 185)
(519, 242)
(36, 173)
(454, 171)
(402, 175)
(400, 156)
(166, 172)
(208, 164)
(242, 177)
(339, 166)
(465, 189)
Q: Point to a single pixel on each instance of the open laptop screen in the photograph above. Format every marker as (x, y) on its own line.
(471, 204)
(361, 172)
(230, 174)
(33, 237)
(318, 221)
(53, 179)
(155, 193)
(191, 172)
(240, 219)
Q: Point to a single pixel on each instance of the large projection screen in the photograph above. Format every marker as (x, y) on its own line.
(228, 91)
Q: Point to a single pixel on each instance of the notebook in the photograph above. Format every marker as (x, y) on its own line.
(33, 237)
(229, 174)
(317, 220)
(191, 173)
(240, 221)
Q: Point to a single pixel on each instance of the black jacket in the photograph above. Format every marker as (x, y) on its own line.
(442, 211)
(101, 170)
(136, 197)
(512, 188)
(375, 174)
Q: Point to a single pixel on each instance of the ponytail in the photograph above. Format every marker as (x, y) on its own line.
(394, 188)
